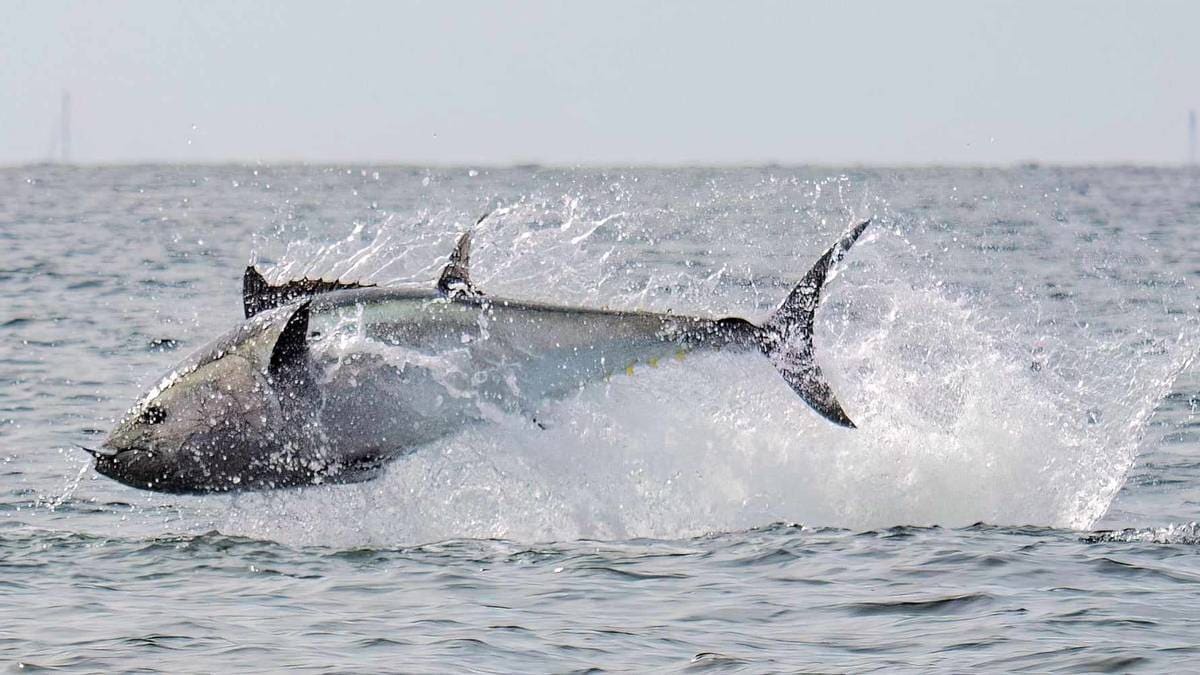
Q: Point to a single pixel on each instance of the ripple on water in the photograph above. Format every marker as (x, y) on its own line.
(571, 549)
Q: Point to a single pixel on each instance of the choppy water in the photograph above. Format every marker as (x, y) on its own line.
(1015, 346)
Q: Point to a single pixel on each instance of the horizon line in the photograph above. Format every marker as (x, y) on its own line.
(567, 166)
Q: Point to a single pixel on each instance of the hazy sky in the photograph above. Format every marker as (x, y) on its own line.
(601, 82)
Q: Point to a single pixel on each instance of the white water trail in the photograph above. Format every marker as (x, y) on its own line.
(977, 399)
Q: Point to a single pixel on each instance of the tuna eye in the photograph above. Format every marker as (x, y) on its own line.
(153, 414)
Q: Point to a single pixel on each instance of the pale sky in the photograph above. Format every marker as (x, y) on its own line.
(601, 82)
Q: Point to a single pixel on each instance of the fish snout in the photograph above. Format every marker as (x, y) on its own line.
(103, 451)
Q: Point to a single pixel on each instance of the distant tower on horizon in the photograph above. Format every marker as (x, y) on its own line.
(64, 131)
(1192, 136)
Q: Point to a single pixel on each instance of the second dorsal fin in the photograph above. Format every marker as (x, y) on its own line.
(258, 295)
(456, 275)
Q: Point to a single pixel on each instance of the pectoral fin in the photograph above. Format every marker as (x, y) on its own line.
(291, 347)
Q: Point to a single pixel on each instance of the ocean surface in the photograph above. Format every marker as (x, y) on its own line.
(1015, 345)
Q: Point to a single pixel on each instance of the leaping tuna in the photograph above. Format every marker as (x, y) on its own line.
(327, 382)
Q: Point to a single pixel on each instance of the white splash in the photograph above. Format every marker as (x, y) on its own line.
(974, 403)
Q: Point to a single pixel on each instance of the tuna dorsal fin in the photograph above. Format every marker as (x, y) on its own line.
(259, 296)
(456, 275)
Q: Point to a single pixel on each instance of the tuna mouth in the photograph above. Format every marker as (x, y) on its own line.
(98, 452)
(106, 452)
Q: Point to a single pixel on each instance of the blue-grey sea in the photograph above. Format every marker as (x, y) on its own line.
(1016, 346)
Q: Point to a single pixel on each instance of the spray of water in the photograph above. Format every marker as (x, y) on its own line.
(1000, 373)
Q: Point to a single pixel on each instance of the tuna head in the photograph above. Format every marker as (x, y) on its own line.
(230, 417)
